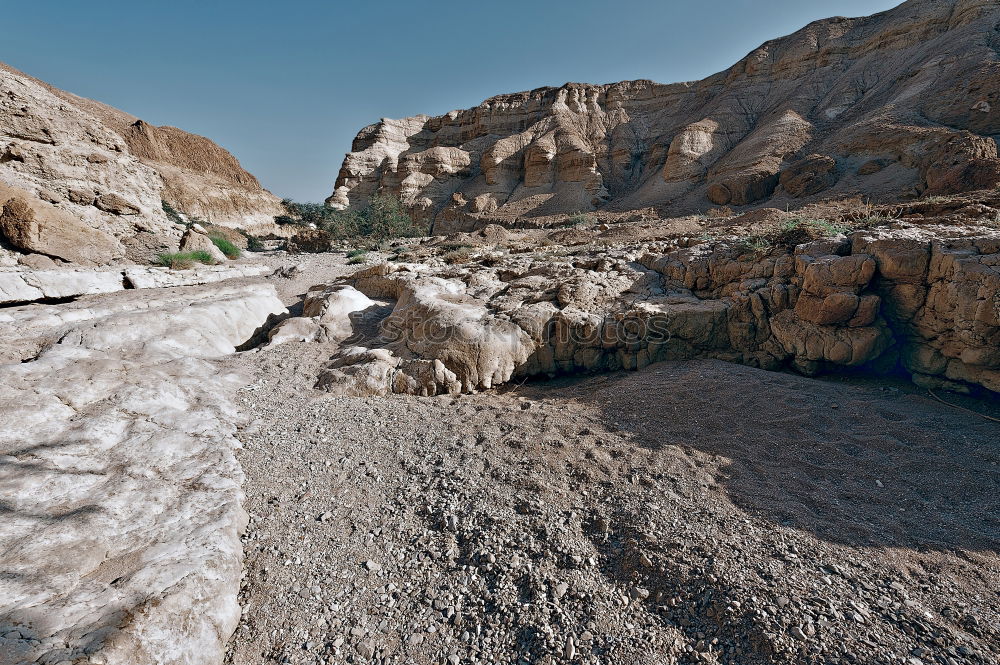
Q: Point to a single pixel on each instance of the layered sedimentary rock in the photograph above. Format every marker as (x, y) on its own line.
(891, 105)
(121, 492)
(68, 158)
(916, 297)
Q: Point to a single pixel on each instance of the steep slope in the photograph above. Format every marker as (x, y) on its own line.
(890, 106)
(69, 158)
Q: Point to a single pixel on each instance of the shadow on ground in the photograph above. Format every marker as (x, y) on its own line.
(856, 464)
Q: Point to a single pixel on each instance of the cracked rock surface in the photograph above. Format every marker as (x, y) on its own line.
(121, 492)
(920, 298)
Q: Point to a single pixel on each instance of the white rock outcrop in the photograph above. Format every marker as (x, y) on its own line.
(21, 286)
(121, 493)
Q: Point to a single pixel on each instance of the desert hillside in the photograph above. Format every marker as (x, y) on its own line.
(889, 106)
(92, 172)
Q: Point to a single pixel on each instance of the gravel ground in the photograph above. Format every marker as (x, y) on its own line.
(690, 512)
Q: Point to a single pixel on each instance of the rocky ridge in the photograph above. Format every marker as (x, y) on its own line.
(892, 105)
(80, 169)
(914, 294)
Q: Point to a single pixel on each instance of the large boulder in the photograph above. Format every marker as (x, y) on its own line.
(32, 225)
(196, 241)
(310, 241)
(808, 176)
(116, 205)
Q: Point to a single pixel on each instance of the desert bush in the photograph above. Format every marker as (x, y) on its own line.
(383, 219)
(867, 216)
(357, 257)
(225, 246)
(795, 231)
(581, 220)
(457, 256)
(172, 213)
(254, 243)
(452, 246)
(873, 220)
(183, 260)
(356, 252)
(757, 244)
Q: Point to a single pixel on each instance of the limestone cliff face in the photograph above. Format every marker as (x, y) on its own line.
(892, 105)
(66, 156)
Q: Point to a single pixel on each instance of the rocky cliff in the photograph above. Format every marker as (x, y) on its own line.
(85, 169)
(890, 106)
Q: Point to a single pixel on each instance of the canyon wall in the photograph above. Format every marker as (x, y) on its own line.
(84, 169)
(889, 106)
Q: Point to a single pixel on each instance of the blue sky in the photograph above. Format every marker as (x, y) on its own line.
(285, 86)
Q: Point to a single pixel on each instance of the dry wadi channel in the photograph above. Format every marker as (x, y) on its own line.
(184, 488)
(693, 511)
(704, 372)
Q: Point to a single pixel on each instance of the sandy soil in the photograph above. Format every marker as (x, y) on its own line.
(690, 512)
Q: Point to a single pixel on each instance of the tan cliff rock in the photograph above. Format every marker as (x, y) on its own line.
(68, 157)
(890, 106)
(916, 297)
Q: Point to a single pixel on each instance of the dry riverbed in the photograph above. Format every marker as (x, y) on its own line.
(690, 512)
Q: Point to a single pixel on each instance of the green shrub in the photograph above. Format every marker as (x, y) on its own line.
(225, 246)
(356, 252)
(357, 258)
(253, 242)
(383, 219)
(183, 260)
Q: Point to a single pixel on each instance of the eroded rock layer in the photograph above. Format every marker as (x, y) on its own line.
(122, 499)
(920, 298)
(891, 105)
(76, 168)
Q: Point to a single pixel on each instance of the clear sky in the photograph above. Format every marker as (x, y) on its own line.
(285, 85)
